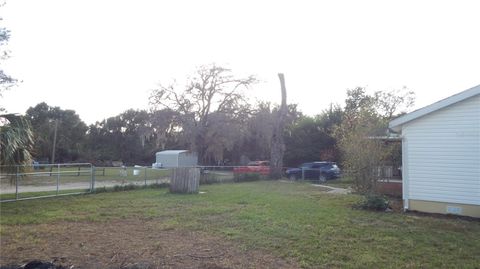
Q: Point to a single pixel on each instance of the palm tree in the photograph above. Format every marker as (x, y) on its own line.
(16, 142)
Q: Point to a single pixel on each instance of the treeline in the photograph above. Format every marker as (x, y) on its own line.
(134, 136)
(211, 115)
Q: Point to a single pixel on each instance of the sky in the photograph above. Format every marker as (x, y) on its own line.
(101, 58)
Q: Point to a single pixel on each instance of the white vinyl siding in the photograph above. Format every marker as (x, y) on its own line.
(444, 154)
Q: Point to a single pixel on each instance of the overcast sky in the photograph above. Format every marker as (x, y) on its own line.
(103, 57)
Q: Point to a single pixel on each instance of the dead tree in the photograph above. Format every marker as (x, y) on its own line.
(278, 145)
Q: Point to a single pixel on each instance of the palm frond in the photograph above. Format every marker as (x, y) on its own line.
(16, 142)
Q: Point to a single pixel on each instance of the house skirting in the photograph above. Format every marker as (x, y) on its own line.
(444, 208)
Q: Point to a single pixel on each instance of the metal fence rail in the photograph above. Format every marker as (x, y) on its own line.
(48, 180)
(27, 182)
(24, 182)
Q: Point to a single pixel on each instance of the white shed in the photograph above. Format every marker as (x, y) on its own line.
(175, 158)
(441, 155)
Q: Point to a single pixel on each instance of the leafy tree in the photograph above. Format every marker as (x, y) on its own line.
(312, 138)
(256, 132)
(71, 133)
(165, 125)
(211, 93)
(133, 136)
(366, 118)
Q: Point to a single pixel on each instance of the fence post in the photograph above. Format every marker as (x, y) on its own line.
(145, 175)
(303, 173)
(92, 183)
(16, 184)
(58, 177)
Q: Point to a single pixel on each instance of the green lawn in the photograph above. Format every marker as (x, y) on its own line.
(294, 220)
(12, 196)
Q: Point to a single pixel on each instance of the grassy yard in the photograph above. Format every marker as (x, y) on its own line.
(290, 220)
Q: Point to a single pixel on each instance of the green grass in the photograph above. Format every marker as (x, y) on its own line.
(11, 196)
(294, 220)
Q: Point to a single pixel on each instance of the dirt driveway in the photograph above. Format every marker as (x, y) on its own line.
(128, 243)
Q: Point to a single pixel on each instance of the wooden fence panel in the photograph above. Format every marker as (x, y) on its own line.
(185, 180)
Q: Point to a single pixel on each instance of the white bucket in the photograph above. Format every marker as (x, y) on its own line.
(136, 170)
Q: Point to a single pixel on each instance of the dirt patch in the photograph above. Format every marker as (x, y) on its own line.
(128, 244)
(396, 204)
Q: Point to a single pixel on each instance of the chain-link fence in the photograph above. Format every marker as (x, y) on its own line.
(47, 180)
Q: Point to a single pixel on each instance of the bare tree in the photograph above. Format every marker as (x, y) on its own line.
(212, 90)
(394, 101)
(278, 145)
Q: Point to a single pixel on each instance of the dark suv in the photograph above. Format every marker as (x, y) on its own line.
(320, 171)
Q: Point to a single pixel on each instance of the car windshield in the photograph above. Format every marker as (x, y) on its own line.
(306, 165)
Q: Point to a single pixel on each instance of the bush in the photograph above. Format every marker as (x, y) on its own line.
(245, 177)
(101, 189)
(128, 187)
(208, 178)
(158, 185)
(374, 202)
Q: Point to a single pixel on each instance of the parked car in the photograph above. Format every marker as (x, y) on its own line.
(255, 167)
(321, 171)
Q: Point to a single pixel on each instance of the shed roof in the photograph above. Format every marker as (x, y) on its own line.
(172, 152)
(397, 123)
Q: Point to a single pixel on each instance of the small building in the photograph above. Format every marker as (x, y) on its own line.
(441, 155)
(175, 158)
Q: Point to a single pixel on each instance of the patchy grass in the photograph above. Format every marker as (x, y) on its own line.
(291, 220)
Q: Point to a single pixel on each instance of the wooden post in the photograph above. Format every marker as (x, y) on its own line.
(185, 180)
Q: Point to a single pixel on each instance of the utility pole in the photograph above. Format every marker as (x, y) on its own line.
(54, 141)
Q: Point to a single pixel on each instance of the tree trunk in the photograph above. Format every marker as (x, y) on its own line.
(185, 180)
(278, 145)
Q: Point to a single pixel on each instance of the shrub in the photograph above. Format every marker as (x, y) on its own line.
(101, 189)
(245, 177)
(158, 185)
(128, 187)
(374, 202)
(131, 186)
(208, 178)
